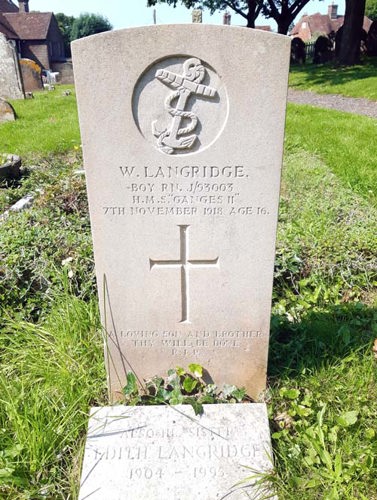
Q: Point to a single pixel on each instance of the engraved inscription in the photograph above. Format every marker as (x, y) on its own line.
(191, 343)
(189, 190)
(168, 452)
(175, 137)
(184, 263)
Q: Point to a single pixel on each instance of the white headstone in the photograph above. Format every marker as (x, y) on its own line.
(182, 131)
(168, 453)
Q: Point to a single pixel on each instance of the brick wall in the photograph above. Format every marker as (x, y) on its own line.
(65, 71)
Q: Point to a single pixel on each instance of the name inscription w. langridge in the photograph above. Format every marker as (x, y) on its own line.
(188, 190)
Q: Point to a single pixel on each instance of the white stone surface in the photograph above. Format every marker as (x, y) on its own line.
(182, 132)
(168, 453)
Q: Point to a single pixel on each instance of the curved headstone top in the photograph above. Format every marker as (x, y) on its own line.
(182, 131)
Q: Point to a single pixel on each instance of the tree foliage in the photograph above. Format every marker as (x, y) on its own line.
(282, 11)
(371, 9)
(89, 24)
(65, 24)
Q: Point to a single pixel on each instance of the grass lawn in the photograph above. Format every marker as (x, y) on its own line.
(355, 81)
(46, 124)
(322, 391)
(345, 142)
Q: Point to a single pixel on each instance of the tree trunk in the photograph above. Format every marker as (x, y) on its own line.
(283, 26)
(352, 29)
(284, 19)
(251, 13)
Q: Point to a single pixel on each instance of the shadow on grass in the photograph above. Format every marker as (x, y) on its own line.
(321, 337)
(330, 74)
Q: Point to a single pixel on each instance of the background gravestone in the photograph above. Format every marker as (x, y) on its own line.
(10, 77)
(197, 16)
(298, 51)
(182, 140)
(322, 50)
(31, 75)
(7, 113)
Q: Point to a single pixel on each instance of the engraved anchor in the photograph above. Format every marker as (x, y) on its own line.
(187, 84)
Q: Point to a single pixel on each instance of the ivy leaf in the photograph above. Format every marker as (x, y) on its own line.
(180, 371)
(176, 397)
(173, 379)
(154, 385)
(228, 390)
(197, 407)
(208, 398)
(196, 370)
(131, 387)
(239, 394)
(189, 384)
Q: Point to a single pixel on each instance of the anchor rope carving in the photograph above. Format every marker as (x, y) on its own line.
(187, 84)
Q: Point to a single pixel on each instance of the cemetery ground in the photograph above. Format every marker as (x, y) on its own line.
(322, 391)
(351, 81)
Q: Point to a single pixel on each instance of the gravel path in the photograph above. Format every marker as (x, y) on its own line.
(332, 101)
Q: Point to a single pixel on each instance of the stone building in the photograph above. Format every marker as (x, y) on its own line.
(36, 34)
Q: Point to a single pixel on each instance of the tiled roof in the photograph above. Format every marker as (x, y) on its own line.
(7, 6)
(321, 23)
(30, 25)
(6, 28)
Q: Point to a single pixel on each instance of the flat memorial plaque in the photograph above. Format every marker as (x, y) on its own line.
(162, 452)
(182, 131)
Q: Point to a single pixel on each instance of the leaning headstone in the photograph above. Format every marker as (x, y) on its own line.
(10, 76)
(7, 113)
(182, 139)
(31, 75)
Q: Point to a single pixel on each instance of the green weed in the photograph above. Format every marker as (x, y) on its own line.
(49, 374)
(322, 375)
(42, 248)
(180, 387)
